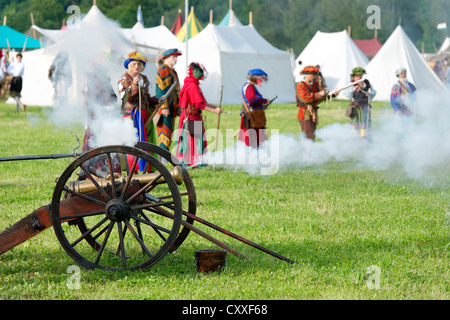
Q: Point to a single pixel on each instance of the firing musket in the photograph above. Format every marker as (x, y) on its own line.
(348, 86)
(161, 101)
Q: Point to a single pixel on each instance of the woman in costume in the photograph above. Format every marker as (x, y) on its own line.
(137, 103)
(360, 94)
(191, 141)
(165, 78)
(253, 133)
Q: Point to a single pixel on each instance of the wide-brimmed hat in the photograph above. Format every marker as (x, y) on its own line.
(135, 56)
(310, 70)
(358, 71)
(171, 52)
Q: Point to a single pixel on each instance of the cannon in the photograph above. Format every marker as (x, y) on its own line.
(119, 208)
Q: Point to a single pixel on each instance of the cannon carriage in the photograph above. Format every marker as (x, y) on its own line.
(119, 208)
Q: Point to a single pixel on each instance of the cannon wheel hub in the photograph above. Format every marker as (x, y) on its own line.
(117, 210)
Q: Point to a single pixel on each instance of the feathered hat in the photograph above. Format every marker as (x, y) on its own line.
(135, 56)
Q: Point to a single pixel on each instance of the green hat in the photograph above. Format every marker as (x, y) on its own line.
(358, 70)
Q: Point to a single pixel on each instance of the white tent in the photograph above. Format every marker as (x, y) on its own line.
(47, 36)
(228, 53)
(445, 48)
(335, 53)
(152, 40)
(399, 52)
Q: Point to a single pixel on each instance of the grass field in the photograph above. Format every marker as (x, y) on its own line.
(356, 234)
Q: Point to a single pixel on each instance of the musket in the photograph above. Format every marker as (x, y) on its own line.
(160, 102)
(270, 102)
(218, 118)
(349, 85)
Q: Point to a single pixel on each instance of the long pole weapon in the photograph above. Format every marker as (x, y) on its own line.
(161, 101)
(218, 117)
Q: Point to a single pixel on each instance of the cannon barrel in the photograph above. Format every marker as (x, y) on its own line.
(86, 186)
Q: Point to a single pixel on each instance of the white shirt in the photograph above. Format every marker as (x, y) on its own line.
(2, 67)
(16, 69)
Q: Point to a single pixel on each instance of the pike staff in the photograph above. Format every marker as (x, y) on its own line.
(160, 102)
(218, 117)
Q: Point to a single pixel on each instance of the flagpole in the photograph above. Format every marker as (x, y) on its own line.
(186, 23)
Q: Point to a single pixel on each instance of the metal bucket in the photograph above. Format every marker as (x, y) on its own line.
(210, 260)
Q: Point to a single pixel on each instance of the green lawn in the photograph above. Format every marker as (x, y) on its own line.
(338, 223)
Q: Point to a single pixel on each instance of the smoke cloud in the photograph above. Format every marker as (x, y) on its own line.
(418, 147)
(96, 51)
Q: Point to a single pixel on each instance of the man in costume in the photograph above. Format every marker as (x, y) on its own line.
(137, 103)
(191, 140)
(402, 94)
(60, 73)
(165, 78)
(16, 70)
(309, 95)
(253, 131)
(360, 109)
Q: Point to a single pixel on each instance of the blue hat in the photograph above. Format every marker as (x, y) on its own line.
(257, 72)
(171, 52)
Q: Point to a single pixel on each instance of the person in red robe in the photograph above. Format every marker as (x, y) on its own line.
(251, 133)
(191, 139)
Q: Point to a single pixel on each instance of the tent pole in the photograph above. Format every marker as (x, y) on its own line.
(5, 19)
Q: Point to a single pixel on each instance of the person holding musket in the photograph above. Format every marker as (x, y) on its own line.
(137, 103)
(361, 93)
(309, 95)
(191, 140)
(253, 120)
(166, 77)
(402, 94)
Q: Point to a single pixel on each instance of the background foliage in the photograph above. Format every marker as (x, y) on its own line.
(284, 23)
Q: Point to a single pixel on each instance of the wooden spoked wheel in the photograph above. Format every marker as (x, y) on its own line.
(128, 204)
(187, 189)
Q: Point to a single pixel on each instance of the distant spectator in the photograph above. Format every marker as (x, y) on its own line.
(16, 70)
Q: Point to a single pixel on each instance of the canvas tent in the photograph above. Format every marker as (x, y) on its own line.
(178, 23)
(46, 36)
(230, 19)
(194, 27)
(13, 39)
(335, 53)
(445, 47)
(399, 52)
(369, 47)
(152, 41)
(228, 53)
